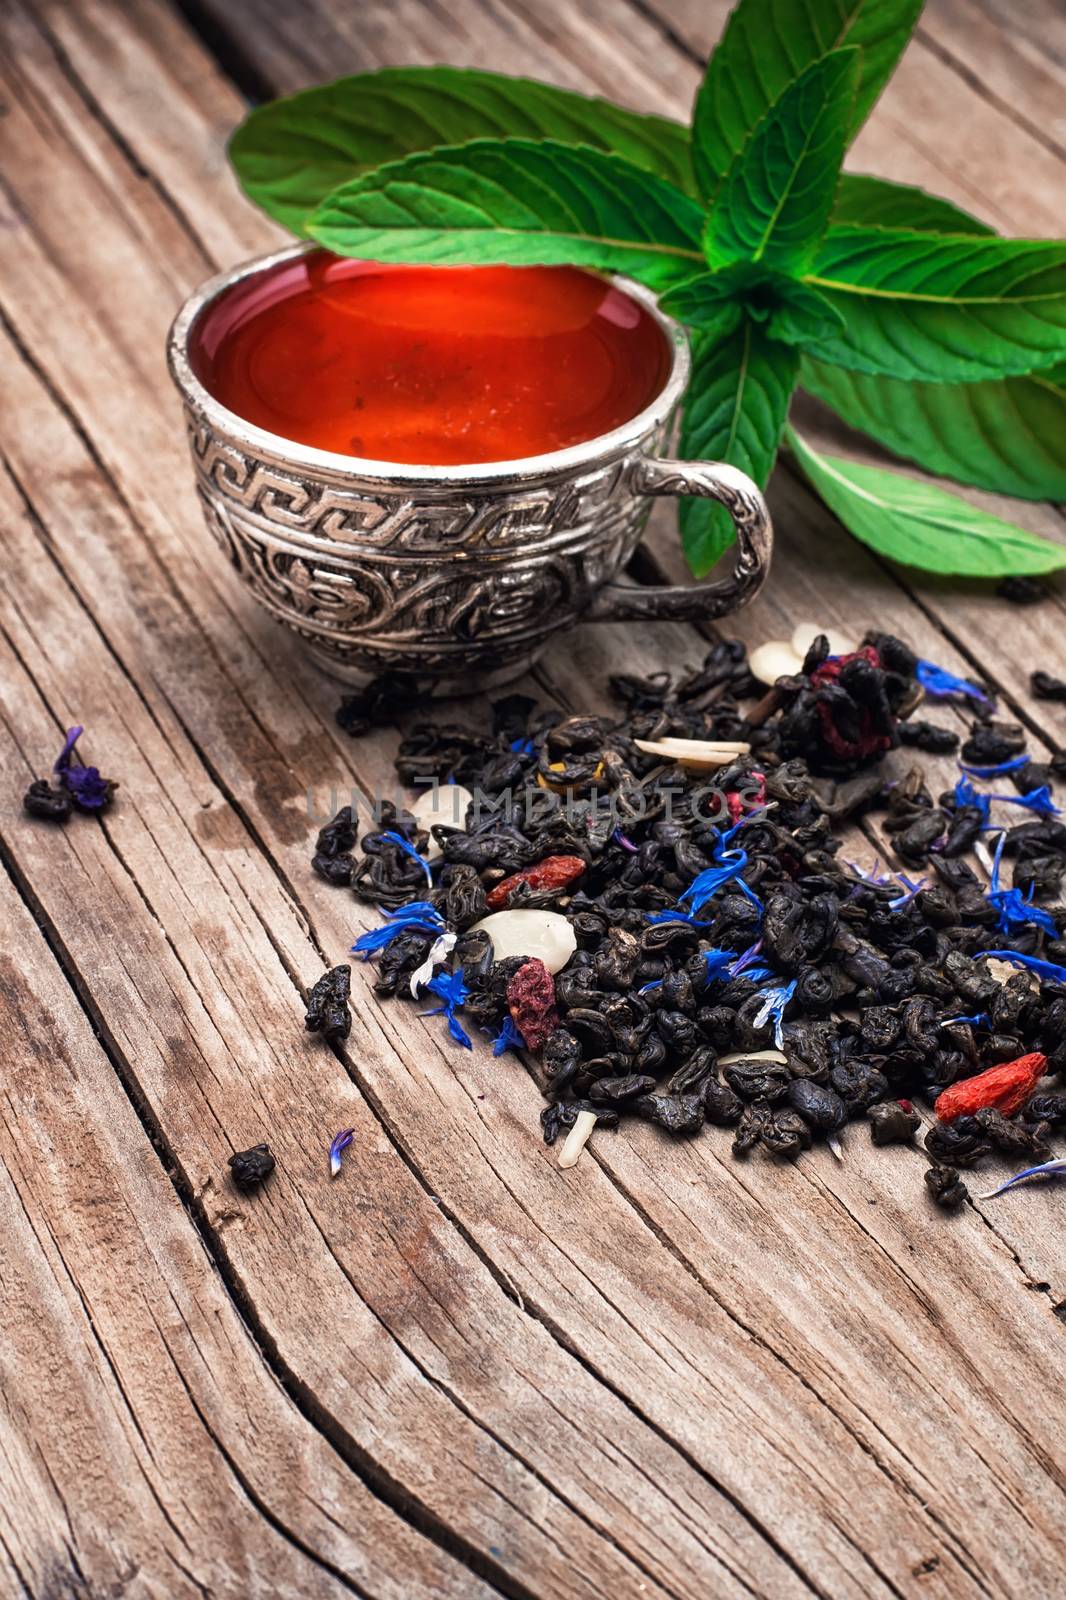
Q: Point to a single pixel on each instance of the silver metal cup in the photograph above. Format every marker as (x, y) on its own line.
(456, 574)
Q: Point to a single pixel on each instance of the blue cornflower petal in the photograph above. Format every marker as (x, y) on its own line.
(879, 879)
(452, 989)
(1046, 1169)
(451, 986)
(420, 914)
(774, 1001)
(341, 1142)
(912, 888)
(508, 1037)
(1038, 800)
(750, 894)
(978, 1020)
(522, 747)
(718, 963)
(409, 850)
(1047, 970)
(1015, 909)
(1012, 905)
(707, 883)
(940, 683)
(994, 771)
(626, 843)
(967, 795)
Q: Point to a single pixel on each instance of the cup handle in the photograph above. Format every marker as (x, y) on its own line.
(713, 480)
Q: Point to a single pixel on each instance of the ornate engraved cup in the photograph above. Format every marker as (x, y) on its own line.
(456, 574)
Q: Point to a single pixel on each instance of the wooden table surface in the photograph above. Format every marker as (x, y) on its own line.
(458, 1372)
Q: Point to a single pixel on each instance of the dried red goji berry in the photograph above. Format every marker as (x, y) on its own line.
(554, 872)
(735, 801)
(868, 742)
(531, 1002)
(1006, 1088)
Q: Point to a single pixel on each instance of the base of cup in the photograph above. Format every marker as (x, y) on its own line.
(451, 685)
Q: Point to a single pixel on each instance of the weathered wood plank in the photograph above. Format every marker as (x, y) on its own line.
(638, 1306)
(146, 1448)
(1014, 54)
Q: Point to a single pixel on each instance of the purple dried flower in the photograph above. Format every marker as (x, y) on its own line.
(65, 756)
(88, 790)
(341, 1142)
(745, 958)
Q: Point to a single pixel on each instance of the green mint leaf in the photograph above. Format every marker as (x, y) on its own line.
(787, 309)
(706, 302)
(769, 43)
(516, 202)
(942, 309)
(774, 202)
(803, 316)
(289, 155)
(1006, 436)
(877, 203)
(920, 524)
(734, 411)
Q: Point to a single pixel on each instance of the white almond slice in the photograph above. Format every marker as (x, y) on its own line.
(445, 803)
(753, 1055)
(699, 755)
(577, 1138)
(840, 644)
(774, 659)
(686, 746)
(542, 934)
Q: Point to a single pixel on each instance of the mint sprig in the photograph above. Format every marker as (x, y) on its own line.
(911, 319)
(919, 524)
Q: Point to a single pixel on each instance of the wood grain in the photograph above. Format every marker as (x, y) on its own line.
(664, 1376)
(145, 1447)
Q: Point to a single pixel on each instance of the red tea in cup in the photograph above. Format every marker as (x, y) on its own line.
(430, 366)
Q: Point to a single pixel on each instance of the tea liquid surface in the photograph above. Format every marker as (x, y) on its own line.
(430, 366)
